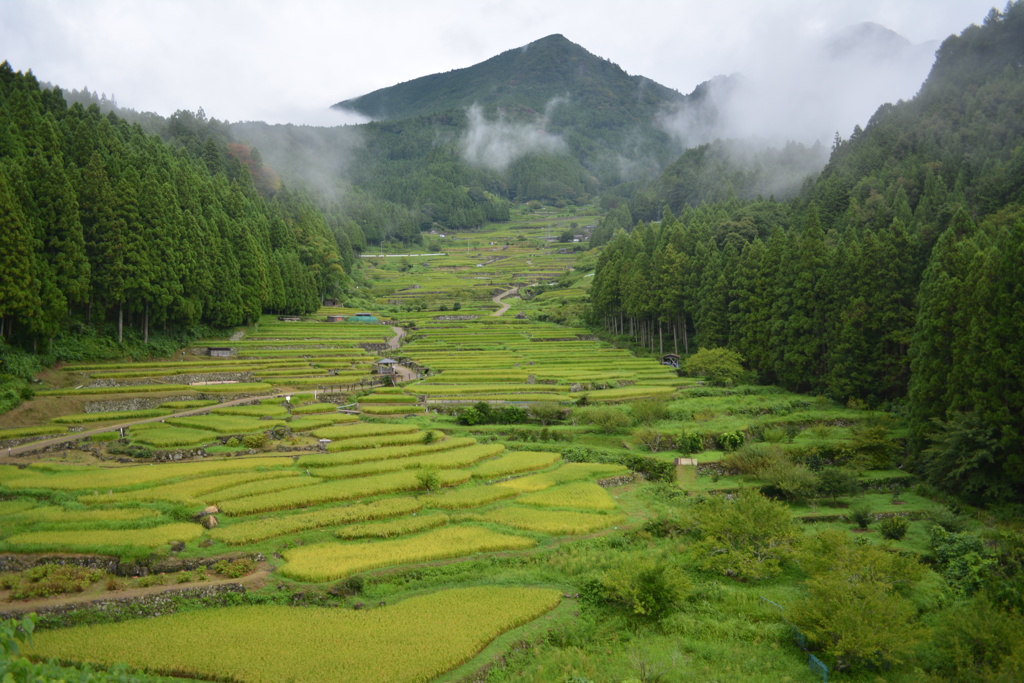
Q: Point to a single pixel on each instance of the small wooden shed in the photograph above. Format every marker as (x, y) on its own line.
(385, 366)
(330, 302)
(670, 359)
(335, 318)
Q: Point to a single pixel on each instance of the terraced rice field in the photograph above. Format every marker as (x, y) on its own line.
(415, 640)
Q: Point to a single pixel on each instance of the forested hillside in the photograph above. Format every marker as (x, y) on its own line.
(894, 280)
(101, 223)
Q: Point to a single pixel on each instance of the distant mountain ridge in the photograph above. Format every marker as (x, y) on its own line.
(529, 76)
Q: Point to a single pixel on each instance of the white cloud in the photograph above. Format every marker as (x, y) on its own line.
(289, 61)
(496, 144)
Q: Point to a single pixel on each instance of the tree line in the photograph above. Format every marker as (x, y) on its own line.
(895, 280)
(102, 222)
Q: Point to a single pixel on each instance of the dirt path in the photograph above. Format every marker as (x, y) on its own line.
(396, 341)
(504, 307)
(254, 581)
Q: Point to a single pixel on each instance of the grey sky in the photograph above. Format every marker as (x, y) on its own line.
(288, 60)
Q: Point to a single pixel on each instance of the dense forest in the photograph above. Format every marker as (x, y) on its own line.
(895, 280)
(102, 222)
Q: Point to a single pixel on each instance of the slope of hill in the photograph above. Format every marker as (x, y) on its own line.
(526, 77)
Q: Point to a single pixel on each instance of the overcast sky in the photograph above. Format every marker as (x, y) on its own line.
(288, 60)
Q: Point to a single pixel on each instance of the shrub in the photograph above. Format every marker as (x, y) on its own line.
(873, 448)
(254, 440)
(893, 528)
(235, 568)
(690, 443)
(606, 418)
(721, 367)
(647, 590)
(653, 469)
(861, 516)
(46, 580)
(428, 480)
(729, 441)
(546, 412)
(654, 440)
(754, 459)
(961, 559)
(748, 537)
(648, 410)
(948, 520)
(836, 481)
(233, 442)
(790, 480)
(483, 413)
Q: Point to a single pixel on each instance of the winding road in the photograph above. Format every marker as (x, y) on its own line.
(504, 307)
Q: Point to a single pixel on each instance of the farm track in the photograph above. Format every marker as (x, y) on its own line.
(504, 307)
(253, 581)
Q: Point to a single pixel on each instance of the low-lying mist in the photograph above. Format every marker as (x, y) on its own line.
(317, 157)
(496, 144)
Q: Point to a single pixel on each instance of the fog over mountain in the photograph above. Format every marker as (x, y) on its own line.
(806, 92)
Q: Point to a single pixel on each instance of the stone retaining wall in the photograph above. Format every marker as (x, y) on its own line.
(112, 565)
(160, 603)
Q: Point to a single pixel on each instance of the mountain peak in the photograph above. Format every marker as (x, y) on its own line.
(528, 76)
(869, 39)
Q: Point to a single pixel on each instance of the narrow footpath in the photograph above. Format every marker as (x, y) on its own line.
(504, 307)
(402, 373)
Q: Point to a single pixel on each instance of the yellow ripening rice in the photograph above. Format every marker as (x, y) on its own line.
(445, 460)
(52, 514)
(189, 492)
(306, 423)
(469, 497)
(330, 561)
(391, 528)
(74, 477)
(349, 431)
(514, 463)
(555, 522)
(383, 440)
(253, 530)
(573, 471)
(367, 454)
(581, 495)
(415, 640)
(337, 490)
(100, 539)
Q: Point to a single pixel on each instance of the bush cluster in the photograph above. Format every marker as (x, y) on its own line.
(482, 413)
(652, 468)
(50, 579)
(234, 568)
